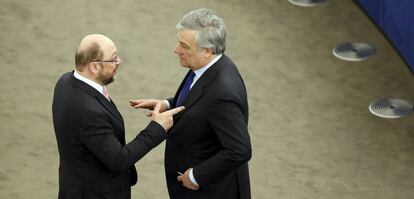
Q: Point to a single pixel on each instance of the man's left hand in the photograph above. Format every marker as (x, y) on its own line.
(185, 179)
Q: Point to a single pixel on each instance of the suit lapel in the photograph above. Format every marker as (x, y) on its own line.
(109, 105)
(198, 88)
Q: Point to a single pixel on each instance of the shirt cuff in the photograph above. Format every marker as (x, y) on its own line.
(168, 104)
(192, 177)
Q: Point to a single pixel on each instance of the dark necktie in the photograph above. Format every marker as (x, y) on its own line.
(185, 89)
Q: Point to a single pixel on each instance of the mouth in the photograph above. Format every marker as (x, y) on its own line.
(114, 73)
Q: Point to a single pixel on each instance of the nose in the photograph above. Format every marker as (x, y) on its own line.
(119, 62)
(177, 49)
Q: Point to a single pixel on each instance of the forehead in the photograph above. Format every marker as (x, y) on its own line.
(187, 37)
(109, 49)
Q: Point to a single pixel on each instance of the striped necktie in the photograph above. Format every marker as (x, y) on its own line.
(106, 93)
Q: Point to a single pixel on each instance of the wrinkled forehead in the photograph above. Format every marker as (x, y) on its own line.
(187, 37)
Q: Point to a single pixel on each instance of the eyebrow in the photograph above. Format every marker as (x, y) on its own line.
(184, 44)
(115, 53)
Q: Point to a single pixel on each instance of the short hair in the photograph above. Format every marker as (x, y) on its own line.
(87, 54)
(211, 31)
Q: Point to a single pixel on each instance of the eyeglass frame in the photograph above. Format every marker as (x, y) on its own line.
(109, 61)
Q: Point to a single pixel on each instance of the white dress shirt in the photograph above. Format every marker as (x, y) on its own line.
(91, 83)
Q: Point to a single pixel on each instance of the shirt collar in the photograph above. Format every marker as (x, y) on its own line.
(201, 71)
(94, 85)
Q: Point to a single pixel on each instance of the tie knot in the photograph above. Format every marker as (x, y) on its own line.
(192, 74)
(106, 92)
(190, 78)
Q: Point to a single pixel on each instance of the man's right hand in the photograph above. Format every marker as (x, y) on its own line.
(165, 119)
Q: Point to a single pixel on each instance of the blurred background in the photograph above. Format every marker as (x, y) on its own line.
(312, 133)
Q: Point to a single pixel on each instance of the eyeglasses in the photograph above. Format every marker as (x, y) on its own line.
(115, 61)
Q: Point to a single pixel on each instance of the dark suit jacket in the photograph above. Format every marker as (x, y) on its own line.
(211, 136)
(95, 161)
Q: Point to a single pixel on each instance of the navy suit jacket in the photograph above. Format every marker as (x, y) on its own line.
(95, 161)
(211, 136)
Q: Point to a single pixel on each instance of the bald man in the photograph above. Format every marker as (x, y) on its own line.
(95, 161)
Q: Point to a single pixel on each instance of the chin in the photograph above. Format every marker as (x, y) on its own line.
(185, 65)
(182, 63)
(108, 81)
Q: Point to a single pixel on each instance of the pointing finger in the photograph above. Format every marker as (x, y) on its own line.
(135, 101)
(175, 111)
(143, 104)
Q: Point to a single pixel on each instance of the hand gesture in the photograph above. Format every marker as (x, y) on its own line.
(148, 104)
(165, 119)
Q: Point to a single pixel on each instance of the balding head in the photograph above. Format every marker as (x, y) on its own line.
(92, 48)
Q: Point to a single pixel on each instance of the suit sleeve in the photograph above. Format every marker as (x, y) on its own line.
(229, 123)
(171, 102)
(97, 135)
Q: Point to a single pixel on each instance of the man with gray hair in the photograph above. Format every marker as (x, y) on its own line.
(208, 148)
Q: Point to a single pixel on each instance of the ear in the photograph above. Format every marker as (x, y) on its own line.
(208, 52)
(94, 67)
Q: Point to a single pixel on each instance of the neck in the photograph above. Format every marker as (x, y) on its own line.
(90, 76)
(204, 63)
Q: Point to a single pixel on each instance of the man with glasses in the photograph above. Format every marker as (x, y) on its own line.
(95, 160)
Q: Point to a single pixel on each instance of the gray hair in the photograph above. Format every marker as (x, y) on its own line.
(211, 32)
